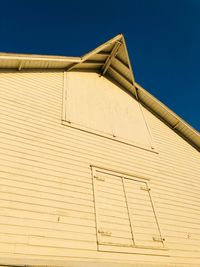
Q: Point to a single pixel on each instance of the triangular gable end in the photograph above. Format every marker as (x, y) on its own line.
(110, 60)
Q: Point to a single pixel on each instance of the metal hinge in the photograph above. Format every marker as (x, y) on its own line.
(158, 239)
(145, 188)
(99, 178)
(104, 232)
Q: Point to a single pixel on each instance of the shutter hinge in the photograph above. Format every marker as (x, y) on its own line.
(145, 188)
(99, 178)
(104, 232)
(158, 239)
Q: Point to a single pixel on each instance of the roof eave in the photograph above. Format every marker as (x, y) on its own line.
(119, 69)
(169, 117)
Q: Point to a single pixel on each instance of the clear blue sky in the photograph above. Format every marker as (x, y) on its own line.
(163, 39)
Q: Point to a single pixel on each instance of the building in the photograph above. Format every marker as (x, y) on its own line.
(95, 171)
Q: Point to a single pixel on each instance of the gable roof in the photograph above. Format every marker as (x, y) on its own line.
(110, 59)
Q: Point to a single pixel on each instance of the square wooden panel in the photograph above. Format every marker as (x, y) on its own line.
(125, 217)
(96, 105)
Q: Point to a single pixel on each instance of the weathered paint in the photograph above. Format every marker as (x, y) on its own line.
(47, 211)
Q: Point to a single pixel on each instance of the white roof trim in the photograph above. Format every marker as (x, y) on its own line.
(14, 56)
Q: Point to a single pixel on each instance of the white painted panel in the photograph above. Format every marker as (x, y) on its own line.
(141, 209)
(97, 104)
(112, 227)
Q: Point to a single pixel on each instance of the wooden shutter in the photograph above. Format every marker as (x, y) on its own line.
(113, 224)
(125, 215)
(142, 215)
(97, 105)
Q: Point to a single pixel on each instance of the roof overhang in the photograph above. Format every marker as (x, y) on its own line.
(111, 60)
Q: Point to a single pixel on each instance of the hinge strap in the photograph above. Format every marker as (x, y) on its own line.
(99, 178)
(145, 188)
(158, 239)
(104, 232)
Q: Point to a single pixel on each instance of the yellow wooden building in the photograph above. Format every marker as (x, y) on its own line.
(94, 170)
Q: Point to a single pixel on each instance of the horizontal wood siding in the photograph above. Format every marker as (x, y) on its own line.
(47, 213)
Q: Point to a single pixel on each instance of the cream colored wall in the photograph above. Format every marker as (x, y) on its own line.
(46, 200)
